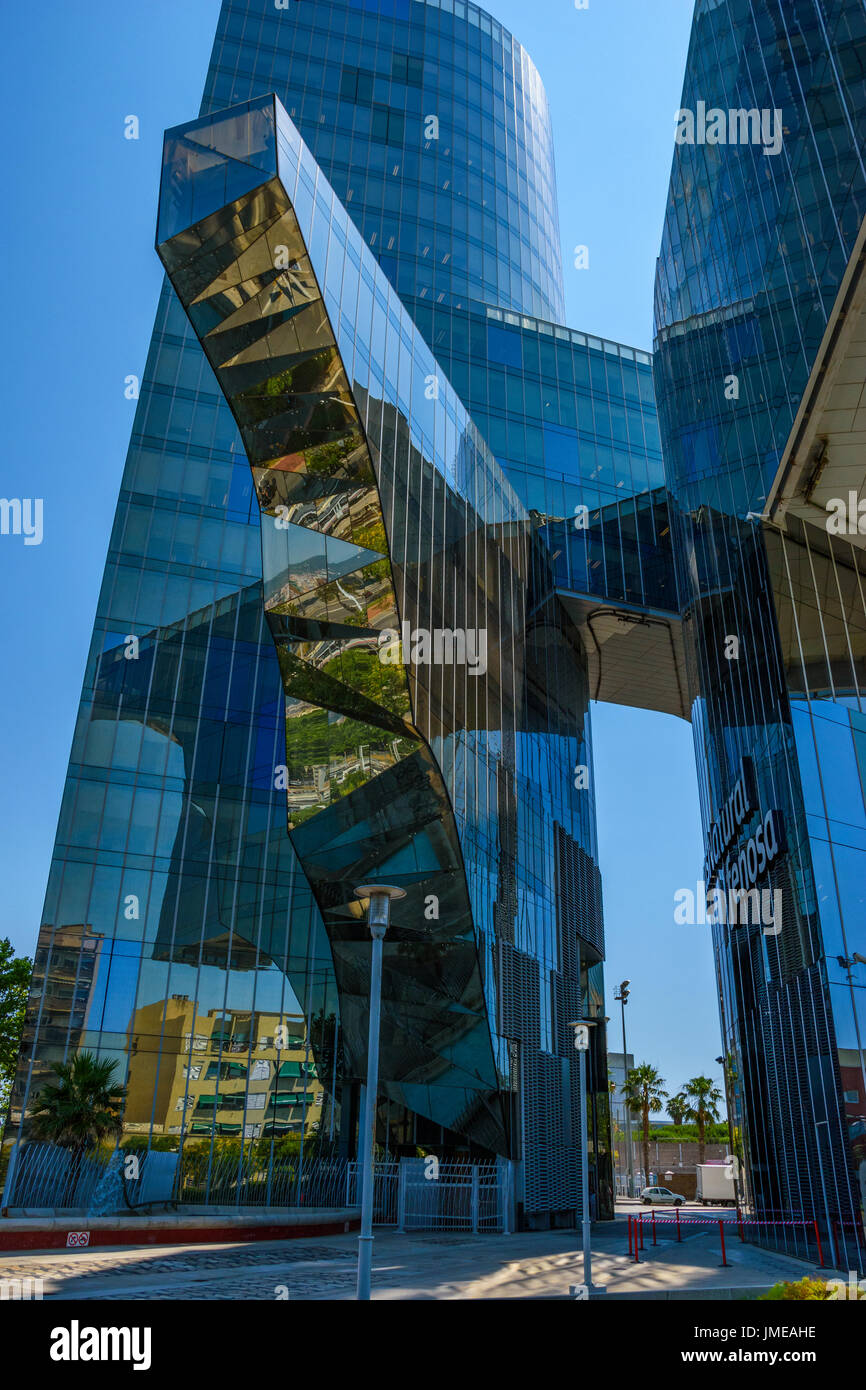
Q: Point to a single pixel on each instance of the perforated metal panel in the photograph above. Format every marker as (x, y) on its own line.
(567, 1007)
(549, 1084)
(578, 896)
(518, 995)
(551, 1167)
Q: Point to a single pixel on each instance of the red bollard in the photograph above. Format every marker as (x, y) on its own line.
(636, 1254)
(654, 1226)
(641, 1230)
(722, 1234)
(679, 1232)
(629, 1236)
(820, 1251)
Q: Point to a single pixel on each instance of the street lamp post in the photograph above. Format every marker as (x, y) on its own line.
(378, 917)
(581, 1028)
(623, 1000)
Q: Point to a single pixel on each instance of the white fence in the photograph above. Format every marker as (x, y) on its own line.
(423, 1194)
(410, 1194)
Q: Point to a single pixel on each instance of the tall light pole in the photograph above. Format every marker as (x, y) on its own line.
(581, 1028)
(623, 999)
(378, 917)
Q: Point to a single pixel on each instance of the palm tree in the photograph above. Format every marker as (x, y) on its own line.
(83, 1108)
(644, 1092)
(677, 1107)
(704, 1098)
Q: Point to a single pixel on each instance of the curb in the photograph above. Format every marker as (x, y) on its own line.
(57, 1237)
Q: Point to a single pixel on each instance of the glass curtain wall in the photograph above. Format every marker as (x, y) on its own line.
(758, 232)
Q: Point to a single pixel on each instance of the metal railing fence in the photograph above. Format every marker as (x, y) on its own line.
(98, 1180)
(408, 1193)
(256, 1179)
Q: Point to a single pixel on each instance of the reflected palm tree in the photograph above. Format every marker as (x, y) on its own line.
(81, 1109)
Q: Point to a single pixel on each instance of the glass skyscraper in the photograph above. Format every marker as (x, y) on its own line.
(378, 293)
(387, 527)
(759, 371)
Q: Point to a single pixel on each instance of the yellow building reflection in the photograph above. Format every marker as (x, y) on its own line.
(229, 1072)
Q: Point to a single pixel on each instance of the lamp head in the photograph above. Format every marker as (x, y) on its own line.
(380, 896)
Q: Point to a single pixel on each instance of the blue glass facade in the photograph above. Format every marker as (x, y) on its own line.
(755, 250)
(236, 684)
(362, 420)
(458, 208)
(572, 421)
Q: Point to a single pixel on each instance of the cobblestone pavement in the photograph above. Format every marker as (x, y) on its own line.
(411, 1266)
(245, 1286)
(91, 1264)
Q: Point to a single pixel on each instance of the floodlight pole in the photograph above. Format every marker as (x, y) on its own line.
(622, 998)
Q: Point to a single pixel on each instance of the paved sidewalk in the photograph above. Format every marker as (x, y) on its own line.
(424, 1266)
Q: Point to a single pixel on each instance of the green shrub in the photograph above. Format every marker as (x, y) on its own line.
(688, 1134)
(796, 1291)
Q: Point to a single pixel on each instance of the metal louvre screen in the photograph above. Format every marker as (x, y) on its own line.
(578, 898)
(567, 1006)
(549, 1083)
(551, 1168)
(518, 995)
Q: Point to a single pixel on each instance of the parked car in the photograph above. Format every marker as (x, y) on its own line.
(661, 1196)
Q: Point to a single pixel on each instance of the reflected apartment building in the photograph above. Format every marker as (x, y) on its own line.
(228, 1074)
(363, 425)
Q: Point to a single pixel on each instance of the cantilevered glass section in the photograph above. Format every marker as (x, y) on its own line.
(395, 566)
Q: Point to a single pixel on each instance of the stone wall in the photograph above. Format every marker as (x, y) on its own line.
(679, 1158)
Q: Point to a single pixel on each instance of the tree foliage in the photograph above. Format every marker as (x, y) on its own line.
(83, 1107)
(645, 1095)
(15, 973)
(704, 1099)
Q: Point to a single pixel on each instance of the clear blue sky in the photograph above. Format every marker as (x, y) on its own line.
(81, 288)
